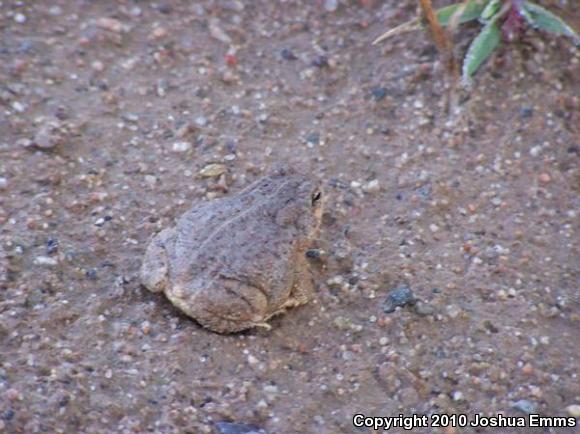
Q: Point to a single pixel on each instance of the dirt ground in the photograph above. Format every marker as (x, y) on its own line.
(111, 113)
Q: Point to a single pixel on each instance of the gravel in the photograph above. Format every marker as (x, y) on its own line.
(400, 296)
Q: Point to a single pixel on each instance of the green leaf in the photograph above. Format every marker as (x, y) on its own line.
(480, 49)
(471, 12)
(490, 10)
(543, 19)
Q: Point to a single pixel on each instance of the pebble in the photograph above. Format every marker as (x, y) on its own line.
(201, 121)
(372, 186)
(213, 170)
(526, 112)
(379, 93)
(524, 406)
(55, 10)
(457, 396)
(159, 33)
(217, 32)
(18, 106)
(3, 183)
(314, 253)
(45, 260)
(52, 246)
(91, 274)
(423, 309)
(238, 428)
(573, 410)
(313, 138)
(151, 180)
(453, 311)
(110, 24)
(98, 66)
(330, 5)
(48, 136)
(20, 18)
(288, 54)
(544, 178)
(321, 62)
(181, 147)
(399, 297)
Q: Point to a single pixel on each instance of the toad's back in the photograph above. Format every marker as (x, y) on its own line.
(235, 236)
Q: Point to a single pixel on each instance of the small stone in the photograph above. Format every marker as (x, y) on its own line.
(55, 10)
(372, 186)
(314, 253)
(52, 245)
(213, 170)
(457, 396)
(496, 201)
(181, 147)
(217, 32)
(535, 151)
(423, 309)
(399, 297)
(151, 180)
(3, 183)
(146, 327)
(201, 121)
(98, 66)
(320, 62)
(49, 135)
(573, 410)
(524, 406)
(330, 5)
(527, 369)
(490, 326)
(165, 8)
(18, 106)
(453, 311)
(159, 33)
(544, 178)
(379, 93)
(342, 323)
(91, 274)
(45, 260)
(526, 112)
(110, 24)
(234, 5)
(238, 428)
(20, 18)
(252, 360)
(313, 138)
(288, 54)
(433, 228)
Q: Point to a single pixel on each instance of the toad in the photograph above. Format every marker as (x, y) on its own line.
(233, 263)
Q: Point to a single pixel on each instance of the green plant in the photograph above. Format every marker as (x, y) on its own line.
(498, 17)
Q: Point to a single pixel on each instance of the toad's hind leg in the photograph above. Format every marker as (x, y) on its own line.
(233, 307)
(154, 271)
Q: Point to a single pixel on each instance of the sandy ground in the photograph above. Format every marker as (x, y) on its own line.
(111, 113)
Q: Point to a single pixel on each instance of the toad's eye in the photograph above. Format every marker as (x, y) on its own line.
(316, 197)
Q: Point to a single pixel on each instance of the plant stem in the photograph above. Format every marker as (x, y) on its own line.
(442, 40)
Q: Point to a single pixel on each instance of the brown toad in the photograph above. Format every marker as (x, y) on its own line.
(233, 263)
